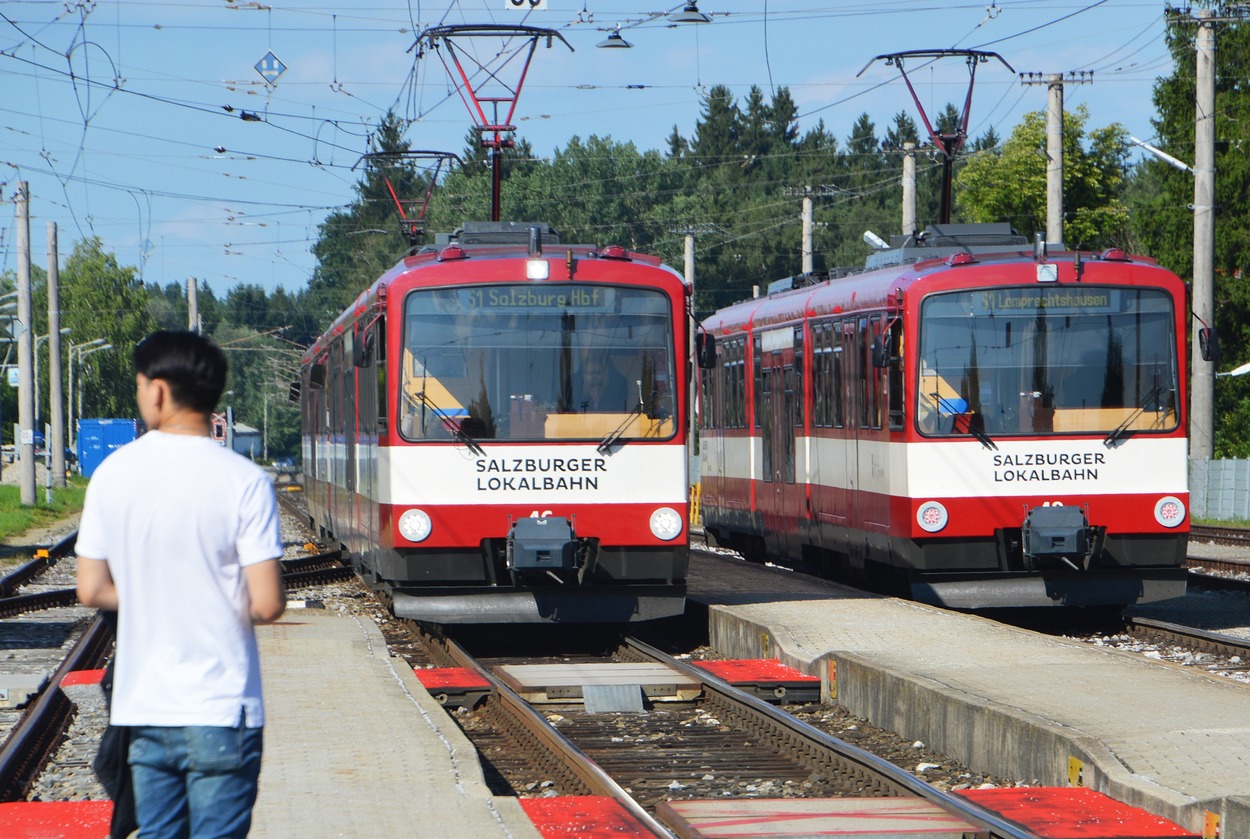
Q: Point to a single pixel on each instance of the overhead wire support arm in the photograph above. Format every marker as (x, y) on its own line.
(412, 219)
(948, 144)
(488, 74)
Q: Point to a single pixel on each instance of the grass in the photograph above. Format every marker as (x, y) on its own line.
(16, 519)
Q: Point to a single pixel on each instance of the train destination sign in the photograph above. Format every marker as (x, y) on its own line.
(584, 298)
(1031, 299)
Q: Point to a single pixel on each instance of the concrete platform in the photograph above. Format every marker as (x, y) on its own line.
(355, 746)
(1173, 741)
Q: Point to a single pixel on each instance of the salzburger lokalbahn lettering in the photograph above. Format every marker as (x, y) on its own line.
(542, 464)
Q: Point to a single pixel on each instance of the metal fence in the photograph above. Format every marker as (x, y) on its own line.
(1220, 490)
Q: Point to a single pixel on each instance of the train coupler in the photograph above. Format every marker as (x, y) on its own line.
(542, 546)
(1056, 534)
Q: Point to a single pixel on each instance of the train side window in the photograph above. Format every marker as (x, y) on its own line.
(894, 374)
(876, 375)
(758, 355)
(379, 359)
(818, 375)
(797, 416)
(740, 384)
(793, 417)
(764, 419)
(864, 382)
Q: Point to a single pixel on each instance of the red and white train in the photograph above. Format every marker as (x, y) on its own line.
(498, 434)
(973, 421)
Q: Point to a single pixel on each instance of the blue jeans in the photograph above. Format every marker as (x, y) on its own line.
(194, 781)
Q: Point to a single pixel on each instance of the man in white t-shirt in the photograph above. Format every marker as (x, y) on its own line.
(180, 536)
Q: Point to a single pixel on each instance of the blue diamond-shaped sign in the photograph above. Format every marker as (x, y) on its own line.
(270, 68)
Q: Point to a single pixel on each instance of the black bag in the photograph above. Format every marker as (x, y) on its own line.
(111, 762)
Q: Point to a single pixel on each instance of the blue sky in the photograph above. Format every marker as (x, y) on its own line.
(116, 112)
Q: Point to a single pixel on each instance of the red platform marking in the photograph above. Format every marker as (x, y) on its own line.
(442, 678)
(82, 677)
(1073, 813)
(55, 819)
(582, 817)
(736, 671)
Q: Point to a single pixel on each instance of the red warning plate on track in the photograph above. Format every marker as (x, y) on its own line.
(751, 670)
(768, 679)
(454, 686)
(441, 678)
(1073, 813)
(582, 817)
(82, 677)
(790, 818)
(62, 819)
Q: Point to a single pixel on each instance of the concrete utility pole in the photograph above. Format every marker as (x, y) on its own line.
(56, 396)
(1054, 146)
(909, 189)
(25, 445)
(1202, 393)
(808, 224)
(193, 306)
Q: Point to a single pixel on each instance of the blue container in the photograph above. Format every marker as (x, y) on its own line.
(99, 438)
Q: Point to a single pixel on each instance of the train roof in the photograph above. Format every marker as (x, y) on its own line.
(476, 243)
(954, 255)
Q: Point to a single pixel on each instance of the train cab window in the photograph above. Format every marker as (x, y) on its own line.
(1032, 360)
(503, 362)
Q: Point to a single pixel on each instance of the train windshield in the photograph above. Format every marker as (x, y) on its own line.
(553, 361)
(1048, 360)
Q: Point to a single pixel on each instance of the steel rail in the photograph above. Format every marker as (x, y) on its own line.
(13, 581)
(813, 738)
(43, 725)
(1202, 639)
(587, 770)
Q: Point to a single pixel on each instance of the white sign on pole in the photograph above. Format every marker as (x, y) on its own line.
(526, 5)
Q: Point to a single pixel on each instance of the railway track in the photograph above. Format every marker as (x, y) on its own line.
(1235, 650)
(1220, 535)
(724, 742)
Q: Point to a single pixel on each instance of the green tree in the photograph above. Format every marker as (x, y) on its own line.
(101, 299)
(1010, 184)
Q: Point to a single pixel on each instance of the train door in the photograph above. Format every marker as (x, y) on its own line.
(780, 500)
(854, 408)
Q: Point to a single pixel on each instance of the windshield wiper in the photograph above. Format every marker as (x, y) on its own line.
(979, 431)
(451, 425)
(1122, 429)
(606, 444)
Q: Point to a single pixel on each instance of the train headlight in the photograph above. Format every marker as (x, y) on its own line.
(1169, 511)
(415, 525)
(932, 516)
(666, 524)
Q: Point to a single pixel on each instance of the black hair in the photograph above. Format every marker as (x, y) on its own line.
(193, 367)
